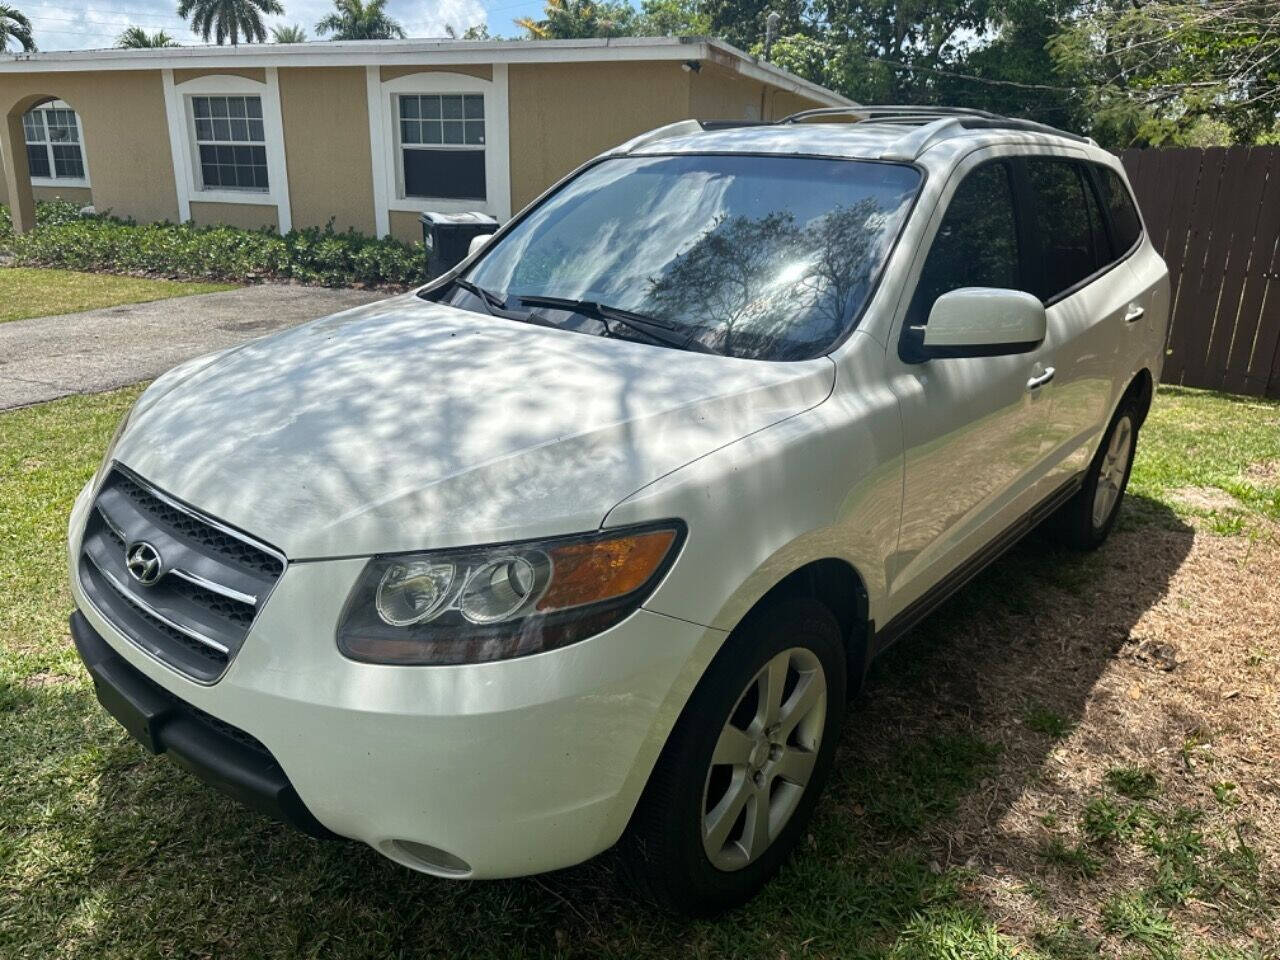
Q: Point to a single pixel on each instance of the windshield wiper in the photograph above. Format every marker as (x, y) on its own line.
(490, 299)
(656, 330)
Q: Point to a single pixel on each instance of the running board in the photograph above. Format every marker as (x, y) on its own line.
(940, 592)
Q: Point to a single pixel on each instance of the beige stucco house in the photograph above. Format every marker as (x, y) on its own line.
(368, 134)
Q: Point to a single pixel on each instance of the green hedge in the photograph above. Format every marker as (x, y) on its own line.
(63, 238)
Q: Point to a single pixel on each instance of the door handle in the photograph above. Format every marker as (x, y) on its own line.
(1134, 313)
(1040, 379)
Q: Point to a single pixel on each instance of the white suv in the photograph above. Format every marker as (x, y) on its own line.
(590, 539)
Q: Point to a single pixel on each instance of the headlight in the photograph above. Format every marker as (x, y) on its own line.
(494, 603)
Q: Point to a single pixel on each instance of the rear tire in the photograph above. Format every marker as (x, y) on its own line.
(737, 782)
(1084, 521)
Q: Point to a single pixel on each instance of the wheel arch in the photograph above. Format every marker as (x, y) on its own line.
(1140, 392)
(837, 585)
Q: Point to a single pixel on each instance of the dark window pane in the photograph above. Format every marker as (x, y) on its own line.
(221, 129)
(38, 160)
(473, 106)
(976, 244)
(260, 178)
(1125, 224)
(409, 108)
(240, 130)
(204, 129)
(452, 131)
(67, 161)
(410, 131)
(1102, 255)
(209, 175)
(235, 106)
(200, 106)
(255, 131)
(451, 107)
(1061, 225)
(431, 132)
(253, 106)
(475, 131)
(33, 126)
(453, 174)
(431, 108)
(218, 106)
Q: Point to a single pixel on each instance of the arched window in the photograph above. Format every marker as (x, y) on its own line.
(55, 147)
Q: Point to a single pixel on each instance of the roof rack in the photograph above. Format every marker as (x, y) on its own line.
(935, 123)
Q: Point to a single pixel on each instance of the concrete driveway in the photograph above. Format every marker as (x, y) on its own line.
(48, 357)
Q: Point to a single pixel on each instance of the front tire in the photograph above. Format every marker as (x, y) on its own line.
(1085, 520)
(739, 777)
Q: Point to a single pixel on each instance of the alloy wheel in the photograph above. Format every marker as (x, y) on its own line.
(1111, 472)
(763, 759)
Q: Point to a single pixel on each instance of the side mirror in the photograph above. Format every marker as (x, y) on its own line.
(983, 322)
(478, 243)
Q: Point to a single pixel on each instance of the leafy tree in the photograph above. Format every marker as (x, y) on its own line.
(578, 19)
(290, 34)
(135, 38)
(1161, 71)
(673, 18)
(360, 20)
(16, 27)
(229, 19)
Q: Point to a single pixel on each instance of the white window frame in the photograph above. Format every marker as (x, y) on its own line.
(56, 181)
(384, 141)
(197, 143)
(186, 152)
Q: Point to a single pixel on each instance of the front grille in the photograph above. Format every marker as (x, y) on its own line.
(213, 580)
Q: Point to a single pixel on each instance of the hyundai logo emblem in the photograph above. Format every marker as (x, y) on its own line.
(143, 562)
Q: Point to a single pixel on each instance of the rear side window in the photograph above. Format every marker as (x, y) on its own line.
(1062, 224)
(976, 244)
(1126, 227)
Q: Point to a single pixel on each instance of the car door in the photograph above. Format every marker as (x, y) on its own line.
(973, 427)
(1147, 308)
(1087, 294)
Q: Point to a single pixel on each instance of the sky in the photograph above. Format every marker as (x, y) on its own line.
(97, 23)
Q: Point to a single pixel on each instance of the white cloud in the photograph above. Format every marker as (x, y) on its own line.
(61, 26)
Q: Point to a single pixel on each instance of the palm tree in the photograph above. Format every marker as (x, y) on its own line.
(359, 20)
(577, 19)
(293, 34)
(229, 19)
(15, 26)
(135, 38)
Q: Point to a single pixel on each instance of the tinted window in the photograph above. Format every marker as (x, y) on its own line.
(763, 257)
(1061, 223)
(1126, 227)
(1102, 253)
(976, 244)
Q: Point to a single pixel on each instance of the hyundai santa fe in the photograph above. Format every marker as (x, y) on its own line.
(587, 542)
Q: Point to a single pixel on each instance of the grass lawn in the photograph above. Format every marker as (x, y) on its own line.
(30, 292)
(1076, 754)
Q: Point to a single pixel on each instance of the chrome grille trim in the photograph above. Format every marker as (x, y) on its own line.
(214, 580)
(146, 608)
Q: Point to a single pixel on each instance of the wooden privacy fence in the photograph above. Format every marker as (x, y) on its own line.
(1215, 216)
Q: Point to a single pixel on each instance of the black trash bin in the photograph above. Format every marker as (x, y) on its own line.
(448, 236)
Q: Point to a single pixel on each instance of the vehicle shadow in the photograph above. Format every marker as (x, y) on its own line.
(937, 747)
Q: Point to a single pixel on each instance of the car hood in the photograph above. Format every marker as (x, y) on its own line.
(408, 425)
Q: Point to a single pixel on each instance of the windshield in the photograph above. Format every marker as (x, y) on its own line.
(762, 257)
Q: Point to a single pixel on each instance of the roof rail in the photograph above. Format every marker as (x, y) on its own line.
(940, 122)
(681, 128)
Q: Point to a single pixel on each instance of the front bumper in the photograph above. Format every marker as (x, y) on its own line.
(515, 767)
(228, 759)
